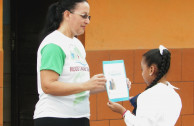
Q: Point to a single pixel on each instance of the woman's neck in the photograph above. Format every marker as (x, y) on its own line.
(64, 29)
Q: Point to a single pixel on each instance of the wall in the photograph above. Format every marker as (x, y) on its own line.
(131, 24)
(125, 30)
(1, 63)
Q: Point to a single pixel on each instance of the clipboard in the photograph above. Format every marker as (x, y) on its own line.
(116, 85)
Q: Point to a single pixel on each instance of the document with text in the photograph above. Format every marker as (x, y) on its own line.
(116, 84)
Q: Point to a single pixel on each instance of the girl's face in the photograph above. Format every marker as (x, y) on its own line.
(146, 72)
(79, 18)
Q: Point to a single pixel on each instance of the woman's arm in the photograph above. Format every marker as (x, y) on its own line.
(51, 85)
(95, 91)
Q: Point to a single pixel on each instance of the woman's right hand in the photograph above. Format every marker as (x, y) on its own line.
(98, 81)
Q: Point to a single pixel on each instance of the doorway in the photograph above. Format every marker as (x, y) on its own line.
(27, 18)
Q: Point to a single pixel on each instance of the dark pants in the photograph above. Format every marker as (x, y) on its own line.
(50, 121)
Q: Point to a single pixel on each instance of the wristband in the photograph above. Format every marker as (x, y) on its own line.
(123, 115)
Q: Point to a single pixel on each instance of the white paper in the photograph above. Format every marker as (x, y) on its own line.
(116, 85)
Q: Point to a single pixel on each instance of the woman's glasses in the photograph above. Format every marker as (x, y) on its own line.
(84, 16)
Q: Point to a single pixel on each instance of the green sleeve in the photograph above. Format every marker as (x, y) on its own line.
(53, 58)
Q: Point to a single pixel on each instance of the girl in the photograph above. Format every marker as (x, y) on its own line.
(159, 104)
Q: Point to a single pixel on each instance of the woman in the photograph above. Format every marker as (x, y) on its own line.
(159, 104)
(64, 82)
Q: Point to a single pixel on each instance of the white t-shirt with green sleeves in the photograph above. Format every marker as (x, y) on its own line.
(53, 58)
(66, 57)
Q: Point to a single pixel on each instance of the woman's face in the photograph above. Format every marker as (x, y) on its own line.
(79, 18)
(146, 72)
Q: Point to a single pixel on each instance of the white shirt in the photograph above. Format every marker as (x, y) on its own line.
(157, 106)
(75, 70)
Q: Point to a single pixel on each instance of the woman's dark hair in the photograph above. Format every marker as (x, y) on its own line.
(55, 13)
(161, 61)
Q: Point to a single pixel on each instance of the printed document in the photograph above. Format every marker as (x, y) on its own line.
(116, 85)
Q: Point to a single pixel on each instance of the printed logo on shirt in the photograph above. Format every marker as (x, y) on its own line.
(82, 69)
(78, 68)
(79, 98)
(75, 54)
(79, 59)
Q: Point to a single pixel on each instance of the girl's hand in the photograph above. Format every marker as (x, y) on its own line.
(116, 107)
(128, 83)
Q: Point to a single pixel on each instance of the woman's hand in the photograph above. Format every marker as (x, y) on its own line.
(98, 81)
(116, 107)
